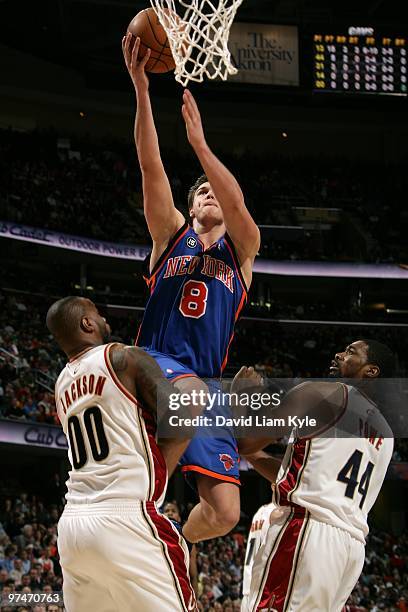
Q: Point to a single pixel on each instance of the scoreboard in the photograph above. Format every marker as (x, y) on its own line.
(360, 61)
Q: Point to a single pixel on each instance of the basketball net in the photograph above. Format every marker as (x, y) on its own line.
(198, 38)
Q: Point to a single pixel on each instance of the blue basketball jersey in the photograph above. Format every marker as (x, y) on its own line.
(196, 297)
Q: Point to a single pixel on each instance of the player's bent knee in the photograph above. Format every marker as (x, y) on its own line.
(222, 519)
(228, 519)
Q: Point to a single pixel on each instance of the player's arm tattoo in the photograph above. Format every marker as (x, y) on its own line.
(138, 372)
(152, 388)
(148, 377)
(157, 394)
(141, 375)
(119, 360)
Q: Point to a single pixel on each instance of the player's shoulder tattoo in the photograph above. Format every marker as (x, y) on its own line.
(119, 358)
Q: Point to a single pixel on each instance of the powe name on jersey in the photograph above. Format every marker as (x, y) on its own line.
(83, 385)
(211, 267)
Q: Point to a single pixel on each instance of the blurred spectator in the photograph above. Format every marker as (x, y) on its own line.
(17, 572)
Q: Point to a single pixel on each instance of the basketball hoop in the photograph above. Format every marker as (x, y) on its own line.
(198, 38)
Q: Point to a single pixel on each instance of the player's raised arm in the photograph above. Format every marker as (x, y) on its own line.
(162, 218)
(238, 221)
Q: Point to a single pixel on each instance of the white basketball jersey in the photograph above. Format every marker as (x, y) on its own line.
(256, 536)
(111, 439)
(338, 479)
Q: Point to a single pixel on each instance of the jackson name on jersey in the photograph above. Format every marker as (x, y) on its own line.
(111, 437)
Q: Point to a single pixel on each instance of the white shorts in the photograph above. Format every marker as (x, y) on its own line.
(304, 566)
(123, 557)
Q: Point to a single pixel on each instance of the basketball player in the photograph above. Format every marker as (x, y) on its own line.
(198, 276)
(313, 553)
(266, 515)
(117, 551)
(261, 520)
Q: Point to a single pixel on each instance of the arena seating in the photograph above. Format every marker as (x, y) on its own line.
(65, 181)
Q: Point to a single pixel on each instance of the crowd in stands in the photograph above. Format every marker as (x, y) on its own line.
(29, 363)
(383, 584)
(29, 561)
(28, 548)
(92, 190)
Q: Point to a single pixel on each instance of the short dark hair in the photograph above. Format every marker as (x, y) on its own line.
(381, 355)
(191, 192)
(64, 316)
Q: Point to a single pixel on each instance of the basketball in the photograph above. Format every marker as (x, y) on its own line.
(152, 35)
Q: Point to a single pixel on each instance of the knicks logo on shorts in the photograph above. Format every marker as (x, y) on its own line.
(227, 461)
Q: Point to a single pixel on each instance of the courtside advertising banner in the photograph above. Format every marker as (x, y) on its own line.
(82, 244)
(265, 54)
(29, 433)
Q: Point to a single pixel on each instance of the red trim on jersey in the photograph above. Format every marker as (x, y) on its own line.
(231, 248)
(160, 468)
(89, 348)
(281, 566)
(147, 429)
(200, 470)
(152, 284)
(170, 539)
(115, 378)
(166, 254)
(288, 486)
(237, 314)
(138, 334)
(172, 380)
(202, 243)
(205, 249)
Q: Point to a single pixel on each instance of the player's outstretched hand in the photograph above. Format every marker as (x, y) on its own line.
(136, 67)
(192, 118)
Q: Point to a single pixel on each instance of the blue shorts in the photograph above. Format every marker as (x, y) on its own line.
(209, 454)
(171, 368)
